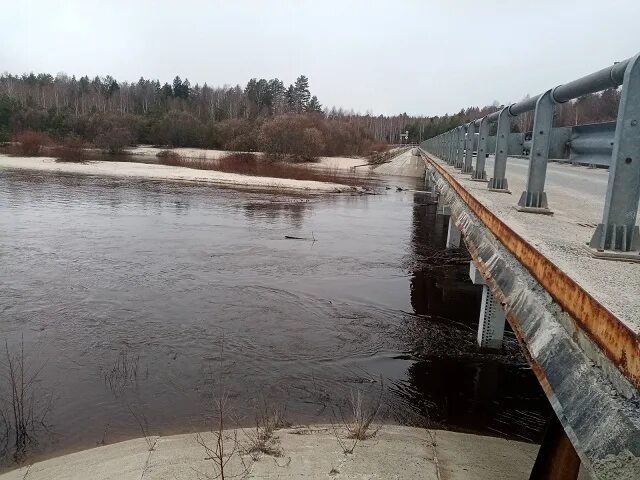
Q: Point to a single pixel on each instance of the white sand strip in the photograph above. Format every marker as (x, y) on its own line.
(333, 163)
(163, 172)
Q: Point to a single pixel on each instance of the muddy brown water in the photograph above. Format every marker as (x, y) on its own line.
(142, 300)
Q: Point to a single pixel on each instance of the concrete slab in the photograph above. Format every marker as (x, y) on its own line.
(404, 165)
(462, 456)
(307, 453)
(576, 197)
(120, 461)
(182, 457)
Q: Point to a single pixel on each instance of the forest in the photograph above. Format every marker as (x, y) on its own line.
(265, 115)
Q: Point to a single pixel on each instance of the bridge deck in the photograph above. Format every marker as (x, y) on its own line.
(576, 196)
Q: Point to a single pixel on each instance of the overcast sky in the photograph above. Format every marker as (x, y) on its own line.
(420, 57)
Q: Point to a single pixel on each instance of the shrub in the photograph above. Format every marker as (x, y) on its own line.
(293, 135)
(238, 135)
(30, 142)
(179, 129)
(114, 139)
(71, 150)
(169, 157)
(312, 143)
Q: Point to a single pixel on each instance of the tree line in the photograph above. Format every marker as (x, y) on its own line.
(264, 115)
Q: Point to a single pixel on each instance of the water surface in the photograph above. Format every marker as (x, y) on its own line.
(141, 300)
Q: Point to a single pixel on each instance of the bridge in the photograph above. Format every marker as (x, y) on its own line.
(553, 238)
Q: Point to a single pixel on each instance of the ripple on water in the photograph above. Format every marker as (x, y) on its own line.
(195, 288)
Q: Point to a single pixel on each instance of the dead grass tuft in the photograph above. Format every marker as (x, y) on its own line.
(358, 423)
(262, 441)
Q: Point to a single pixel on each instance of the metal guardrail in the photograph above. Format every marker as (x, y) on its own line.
(614, 144)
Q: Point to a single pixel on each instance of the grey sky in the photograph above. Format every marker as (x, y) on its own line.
(419, 57)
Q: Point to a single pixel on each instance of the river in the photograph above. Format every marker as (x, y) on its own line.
(140, 301)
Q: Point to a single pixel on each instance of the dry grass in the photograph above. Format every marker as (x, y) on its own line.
(358, 422)
(262, 441)
(23, 407)
(123, 373)
(250, 164)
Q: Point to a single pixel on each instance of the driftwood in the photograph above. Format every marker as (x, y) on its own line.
(292, 237)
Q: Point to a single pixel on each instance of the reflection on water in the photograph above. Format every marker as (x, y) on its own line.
(141, 296)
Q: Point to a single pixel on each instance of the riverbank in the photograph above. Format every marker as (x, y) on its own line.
(333, 163)
(163, 172)
(303, 452)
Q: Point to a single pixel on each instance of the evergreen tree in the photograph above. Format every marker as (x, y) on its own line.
(186, 88)
(301, 93)
(314, 105)
(166, 91)
(290, 98)
(181, 89)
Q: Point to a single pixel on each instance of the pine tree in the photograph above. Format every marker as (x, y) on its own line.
(301, 93)
(314, 105)
(166, 91)
(290, 97)
(178, 88)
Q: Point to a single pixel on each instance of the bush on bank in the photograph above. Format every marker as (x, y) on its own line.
(298, 137)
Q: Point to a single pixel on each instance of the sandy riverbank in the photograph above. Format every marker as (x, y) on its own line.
(163, 172)
(304, 452)
(334, 163)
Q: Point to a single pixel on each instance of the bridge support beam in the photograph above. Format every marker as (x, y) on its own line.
(534, 198)
(557, 459)
(492, 317)
(443, 208)
(467, 167)
(479, 173)
(618, 234)
(453, 235)
(430, 185)
(498, 182)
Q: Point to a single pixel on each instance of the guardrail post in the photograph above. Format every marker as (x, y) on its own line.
(467, 167)
(460, 155)
(479, 173)
(499, 182)
(452, 147)
(534, 198)
(618, 230)
(443, 146)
